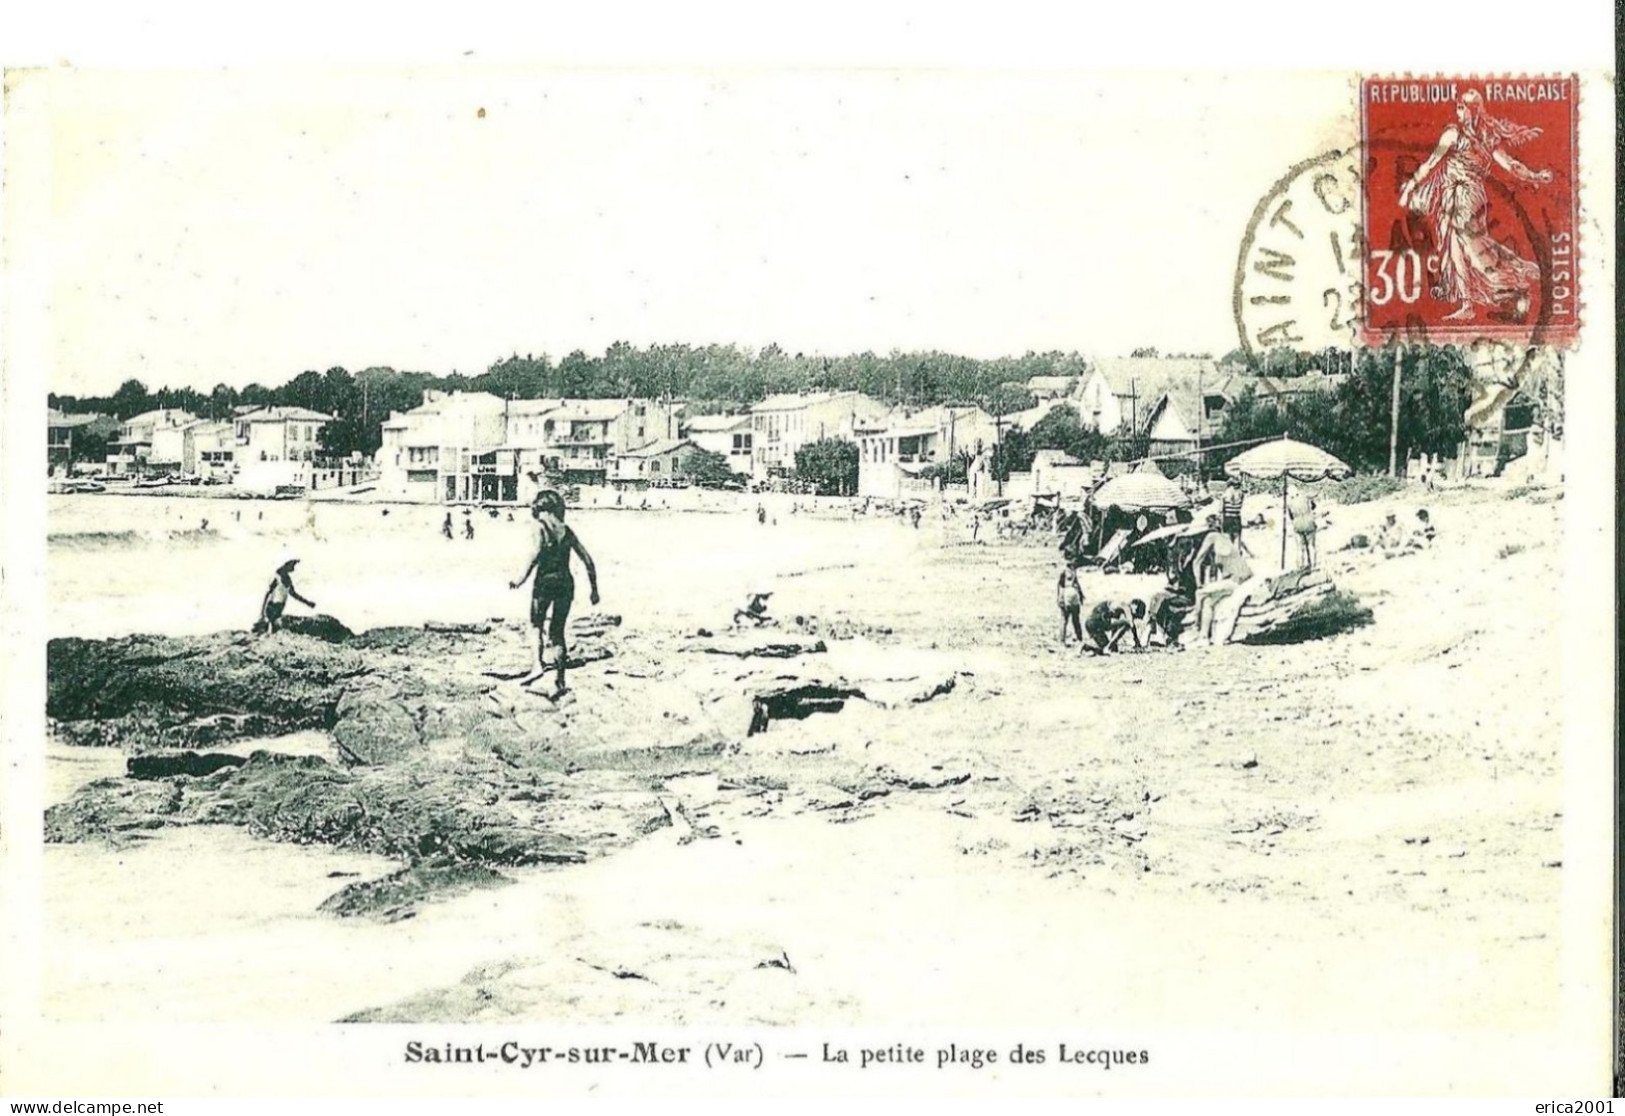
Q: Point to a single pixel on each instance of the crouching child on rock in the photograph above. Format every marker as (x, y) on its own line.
(276, 599)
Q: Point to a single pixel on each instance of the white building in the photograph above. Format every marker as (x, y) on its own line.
(898, 448)
(209, 449)
(653, 463)
(1055, 473)
(133, 452)
(475, 446)
(279, 434)
(728, 435)
(782, 424)
(277, 446)
(1121, 394)
(444, 449)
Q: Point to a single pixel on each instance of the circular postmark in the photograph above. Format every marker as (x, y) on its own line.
(1310, 272)
(1299, 281)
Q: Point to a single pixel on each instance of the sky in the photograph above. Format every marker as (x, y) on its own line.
(231, 226)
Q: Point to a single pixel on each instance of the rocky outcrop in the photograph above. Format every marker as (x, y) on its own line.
(441, 759)
(147, 692)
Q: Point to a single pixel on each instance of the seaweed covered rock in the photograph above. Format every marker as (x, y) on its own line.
(398, 895)
(152, 692)
(456, 807)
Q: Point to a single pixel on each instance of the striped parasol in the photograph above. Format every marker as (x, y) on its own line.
(1286, 458)
(1140, 491)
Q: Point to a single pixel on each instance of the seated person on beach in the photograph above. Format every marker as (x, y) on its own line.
(1198, 561)
(554, 588)
(1165, 613)
(1228, 572)
(276, 598)
(1069, 596)
(1423, 534)
(1390, 537)
(755, 611)
(1108, 623)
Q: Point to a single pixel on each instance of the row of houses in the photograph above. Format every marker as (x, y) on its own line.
(1177, 403)
(475, 446)
(260, 448)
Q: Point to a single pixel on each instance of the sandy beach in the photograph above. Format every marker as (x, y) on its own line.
(1356, 832)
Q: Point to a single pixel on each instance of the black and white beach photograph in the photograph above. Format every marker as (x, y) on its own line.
(828, 556)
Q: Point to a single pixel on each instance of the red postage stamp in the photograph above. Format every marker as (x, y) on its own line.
(1471, 209)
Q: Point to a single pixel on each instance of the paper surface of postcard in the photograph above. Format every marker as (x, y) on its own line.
(816, 581)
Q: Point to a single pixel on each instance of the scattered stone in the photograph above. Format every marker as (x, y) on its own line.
(164, 765)
(456, 629)
(935, 778)
(398, 895)
(320, 626)
(797, 701)
(615, 971)
(755, 645)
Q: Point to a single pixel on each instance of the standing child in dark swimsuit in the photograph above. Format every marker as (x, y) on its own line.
(1069, 595)
(554, 588)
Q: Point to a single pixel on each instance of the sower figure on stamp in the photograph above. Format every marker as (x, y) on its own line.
(554, 588)
(1475, 269)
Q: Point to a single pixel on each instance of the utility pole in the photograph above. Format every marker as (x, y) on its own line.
(1393, 429)
(999, 423)
(1201, 417)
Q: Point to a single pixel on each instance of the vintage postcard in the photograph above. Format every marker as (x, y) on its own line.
(808, 581)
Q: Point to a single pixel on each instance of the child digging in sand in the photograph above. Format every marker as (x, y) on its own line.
(554, 588)
(755, 611)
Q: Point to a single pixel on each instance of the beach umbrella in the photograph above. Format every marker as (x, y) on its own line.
(1140, 492)
(1287, 459)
